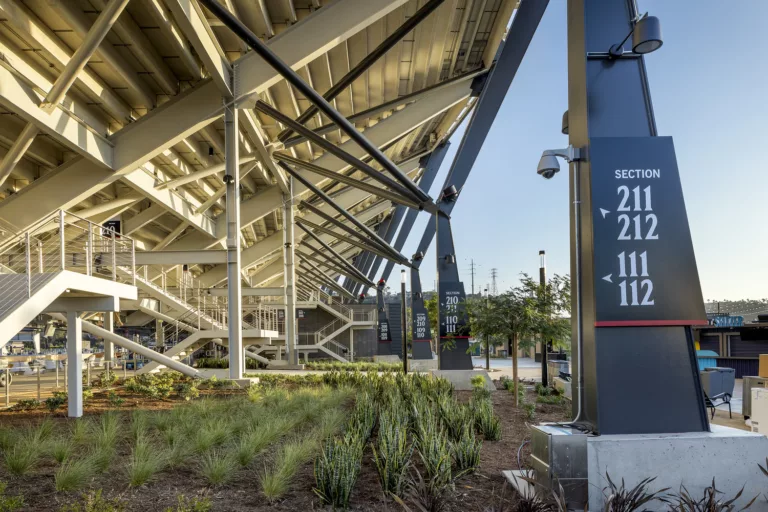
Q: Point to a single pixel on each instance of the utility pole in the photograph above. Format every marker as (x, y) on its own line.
(472, 271)
(494, 288)
(487, 336)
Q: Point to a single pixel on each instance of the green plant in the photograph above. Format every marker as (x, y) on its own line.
(22, 457)
(103, 381)
(431, 494)
(712, 501)
(115, 400)
(392, 453)
(74, 474)
(27, 404)
(620, 499)
(9, 503)
(291, 456)
(58, 399)
(487, 422)
(455, 417)
(187, 390)
(530, 410)
(466, 451)
(146, 460)
(108, 433)
(218, 467)
(94, 502)
(8, 438)
(61, 449)
(435, 453)
(477, 381)
(195, 504)
(337, 468)
(549, 399)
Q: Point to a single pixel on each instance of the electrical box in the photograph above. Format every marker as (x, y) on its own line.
(760, 410)
(748, 383)
(559, 458)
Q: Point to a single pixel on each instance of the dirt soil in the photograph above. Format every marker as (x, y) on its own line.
(474, 492)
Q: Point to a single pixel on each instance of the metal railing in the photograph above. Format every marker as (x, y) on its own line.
(62, 241)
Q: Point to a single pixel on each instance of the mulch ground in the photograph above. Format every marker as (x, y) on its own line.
(474, 492)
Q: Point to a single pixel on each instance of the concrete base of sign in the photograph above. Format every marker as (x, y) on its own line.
(422, 365)
(462, 379)
(728, 455)
(387, 359)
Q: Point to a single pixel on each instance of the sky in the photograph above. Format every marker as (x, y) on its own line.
(708, 86)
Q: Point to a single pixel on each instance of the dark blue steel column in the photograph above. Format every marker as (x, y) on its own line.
(628, 367)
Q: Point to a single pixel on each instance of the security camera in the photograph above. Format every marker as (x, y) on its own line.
(549, 165)
(228, 178)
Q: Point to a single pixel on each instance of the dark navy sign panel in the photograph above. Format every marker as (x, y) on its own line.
(453, 311)
(384, 334)
(644, 265)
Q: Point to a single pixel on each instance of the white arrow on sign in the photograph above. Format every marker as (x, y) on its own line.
(607, 278)
(604, 212)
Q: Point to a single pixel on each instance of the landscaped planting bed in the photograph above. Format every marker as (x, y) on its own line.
(344, 439)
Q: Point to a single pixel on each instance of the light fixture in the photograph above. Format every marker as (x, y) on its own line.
(402, 277)
(450, 259)
(542, 259)
(564, 129)
(646, 37)
(549, 165)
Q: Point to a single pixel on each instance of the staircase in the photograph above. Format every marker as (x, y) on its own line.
(61, 253)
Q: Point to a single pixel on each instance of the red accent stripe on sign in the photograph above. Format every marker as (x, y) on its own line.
(425, 340)
(649, 323)
(456, 337)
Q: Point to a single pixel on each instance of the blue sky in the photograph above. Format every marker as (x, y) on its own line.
(709, 93)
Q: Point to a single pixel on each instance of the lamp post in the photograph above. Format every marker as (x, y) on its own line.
(487, 336)
(403, 322)
(543, 284)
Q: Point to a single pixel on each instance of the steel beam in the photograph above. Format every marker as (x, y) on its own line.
(336, 151)
(203, 173)
(362, 66)
(289, 271)
(206, 257)
(192, 23)
(266, 291)
(244, 33)
(305, 225)
(17, 150)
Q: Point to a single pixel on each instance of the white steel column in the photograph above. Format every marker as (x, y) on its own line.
(74, 365)
(232, 179)
(109, 347)
(290, 276)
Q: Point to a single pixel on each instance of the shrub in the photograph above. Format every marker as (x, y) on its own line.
(218, 467)
(477, 381)
(337, 468)
(466, 451)
(455, 417)
(620, 499)
(549, 399)
(114, 400)
(184, 504)
(94, 502)
(61, 449)
(27, 404)
(186, 390)
(393, 456)
(145, 462)
(58, 399)
(432, 494)
(530, 410)
(108, 433)
(713, 500)
(102, 381)
(9, 503)
(74, 474)
(291, 456)
(487, 422)
(435, 453)
(8, 438)
(22, 457)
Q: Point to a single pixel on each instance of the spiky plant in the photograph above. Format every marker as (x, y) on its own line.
(61, 449)
(146, 460)
(487, 423)
(455, 417)
(466, 451)
(713, 500)
(392, 453)
(337, 468)
(74, 474)
(22, 457)
(619, 498)
(218, 467)
(430, 494)
(435, 453)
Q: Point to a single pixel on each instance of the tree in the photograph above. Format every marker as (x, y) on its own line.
(527, 311)
(430, 305)
(484, 324)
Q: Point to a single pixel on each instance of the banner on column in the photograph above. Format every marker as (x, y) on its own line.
(644, 266)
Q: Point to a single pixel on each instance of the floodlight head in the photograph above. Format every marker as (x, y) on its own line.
(548, 165)
(646, 37)
(564, 129)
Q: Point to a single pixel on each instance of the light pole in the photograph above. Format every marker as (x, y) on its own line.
(543, 284)
(487, 336)
(403, 322)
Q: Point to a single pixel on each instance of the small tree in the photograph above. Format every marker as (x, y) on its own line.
(484, 324)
